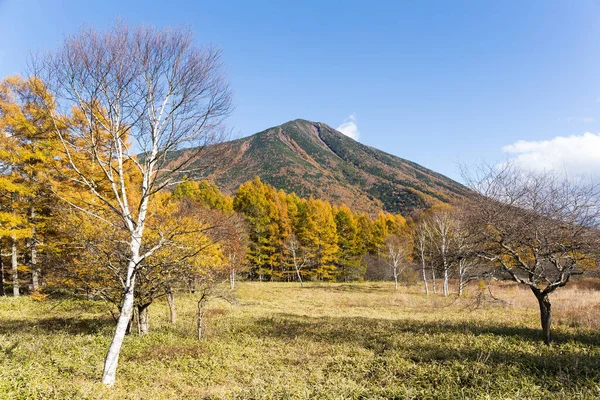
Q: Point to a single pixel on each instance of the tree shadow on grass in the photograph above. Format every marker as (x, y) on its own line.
(340, 329)
(512, 347)
(72, 326)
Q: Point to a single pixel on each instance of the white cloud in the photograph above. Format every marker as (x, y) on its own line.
(578, 155)
(349, 127)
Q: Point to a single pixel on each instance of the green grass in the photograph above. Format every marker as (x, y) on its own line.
(324, 341)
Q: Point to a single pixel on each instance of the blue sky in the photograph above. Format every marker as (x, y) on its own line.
(436, 82)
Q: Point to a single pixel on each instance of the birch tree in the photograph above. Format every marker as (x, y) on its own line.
(298, 260)
(398, 249)
(138, 90)
(440, 227)
(420, 240)
(463, 254)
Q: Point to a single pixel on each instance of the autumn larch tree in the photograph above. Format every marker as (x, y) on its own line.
(350, 252)
(317, 232)
(27, 151)
(253, 203)
(138, 90)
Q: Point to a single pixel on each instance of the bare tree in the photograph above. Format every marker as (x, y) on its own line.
(440, 227)
(152, 88)
(463, 253)
(540, 228)
(397, 253)
(420, 240)
(299, 257)
(209, 291)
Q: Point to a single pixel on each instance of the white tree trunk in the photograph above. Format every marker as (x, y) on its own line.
(445, 281)
(14, 267)
(443, 250)
(112, 356)
(299, 276)
(232, 279)
(425, 281)
(35, 272)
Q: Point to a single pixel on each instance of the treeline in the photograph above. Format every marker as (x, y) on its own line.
(291, 238)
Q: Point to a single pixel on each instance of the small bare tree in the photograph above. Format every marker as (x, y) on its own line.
(540, 228)
(463, 253)
(132, 91)
(398, 250)
(420, 240)
(299, 257)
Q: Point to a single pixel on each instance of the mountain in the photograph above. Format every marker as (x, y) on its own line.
(313, 159)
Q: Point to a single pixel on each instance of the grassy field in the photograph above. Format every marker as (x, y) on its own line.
(324, 341)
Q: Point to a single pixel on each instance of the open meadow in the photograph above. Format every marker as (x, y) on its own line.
(323, 341)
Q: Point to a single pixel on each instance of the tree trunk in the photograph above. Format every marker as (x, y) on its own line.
(460, 284)
(112, 356)
(299, 276)
(144, 322)
(200, 318)
(396, 278)
(545, 316)
(425, 281)
(2, 291)
(433, 279)
(232, 279)
(172, 310)
(134, 319)
(35, 272)
(445, 281)
(111, 361)
(14, 266)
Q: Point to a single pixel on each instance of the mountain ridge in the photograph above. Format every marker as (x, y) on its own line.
(313, 159)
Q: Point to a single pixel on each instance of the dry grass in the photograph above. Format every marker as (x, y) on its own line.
(323, 341)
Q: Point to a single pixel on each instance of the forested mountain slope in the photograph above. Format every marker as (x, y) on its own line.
(313, 159)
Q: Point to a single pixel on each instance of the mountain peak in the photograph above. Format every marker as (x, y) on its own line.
(304, 126)
(313, 159)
